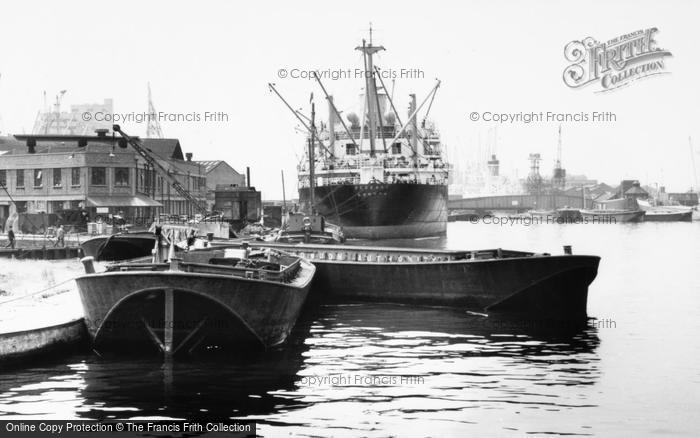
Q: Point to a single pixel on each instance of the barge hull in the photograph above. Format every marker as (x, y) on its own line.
(123, 308)
(41, 341)
(119, 247)
(549, 286)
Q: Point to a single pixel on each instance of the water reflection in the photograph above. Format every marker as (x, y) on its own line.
(384, 362)
(399, 362)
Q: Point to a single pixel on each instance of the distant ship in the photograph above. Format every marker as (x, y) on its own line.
(377, 176)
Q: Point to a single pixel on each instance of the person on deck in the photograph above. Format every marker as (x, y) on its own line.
(11, 238)
(60, 236)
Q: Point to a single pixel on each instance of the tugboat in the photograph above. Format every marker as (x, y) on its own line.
(209, 299)
(376, 175)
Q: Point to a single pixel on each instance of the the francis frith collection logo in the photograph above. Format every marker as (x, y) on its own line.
(615, 63)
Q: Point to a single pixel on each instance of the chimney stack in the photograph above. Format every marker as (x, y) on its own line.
(247, 172)
(189, 156)
(31, 145)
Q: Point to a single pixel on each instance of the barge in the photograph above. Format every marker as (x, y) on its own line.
(24, 344)
(208, 299)
(119, 246)
(493, 280)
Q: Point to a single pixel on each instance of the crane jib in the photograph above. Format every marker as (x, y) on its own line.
(161, 170)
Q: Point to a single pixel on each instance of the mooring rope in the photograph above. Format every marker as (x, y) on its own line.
(38, 292)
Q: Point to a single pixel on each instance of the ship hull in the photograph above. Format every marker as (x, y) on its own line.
(613, 217)
(547, 286)
(520, 283)
(128, 310)
(119, 246)
(19, 346)
(674, 216)
(382, 211)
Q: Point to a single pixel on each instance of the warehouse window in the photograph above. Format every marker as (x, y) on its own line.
(38, 178)
(3, 178)
(57, 178)
(98, 176)
(121, 176)
(20, 178)
(75, 176)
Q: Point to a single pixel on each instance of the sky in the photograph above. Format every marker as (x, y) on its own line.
(491, 56)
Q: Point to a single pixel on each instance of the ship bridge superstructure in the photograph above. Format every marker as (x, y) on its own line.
(376, 146)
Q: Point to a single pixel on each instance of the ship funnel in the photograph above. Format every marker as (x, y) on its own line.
(390, 118)
(354, 120)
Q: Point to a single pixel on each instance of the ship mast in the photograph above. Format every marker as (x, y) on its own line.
(312, 159)
(368, 50)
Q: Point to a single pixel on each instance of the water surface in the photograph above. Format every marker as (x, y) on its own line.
(372, 369)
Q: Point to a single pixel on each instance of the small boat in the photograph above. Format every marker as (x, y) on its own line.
(301, 228)
(120, 246)
(24, 344)
(647, 206)
(208, 299)
(129, 246)
(612, 216)
(665, 213)
(494, 280)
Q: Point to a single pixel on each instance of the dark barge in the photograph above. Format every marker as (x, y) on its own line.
(206, 300)
(121, 246)
(494, 280)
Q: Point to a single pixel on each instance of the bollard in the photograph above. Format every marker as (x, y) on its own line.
(88, 264)
(567, 249)
(175, 263)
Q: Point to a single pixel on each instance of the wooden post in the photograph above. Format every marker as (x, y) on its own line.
(168, 329)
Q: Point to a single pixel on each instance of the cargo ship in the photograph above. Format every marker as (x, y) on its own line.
(376, 175)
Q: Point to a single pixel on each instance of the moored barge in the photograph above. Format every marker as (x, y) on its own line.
(209, 299)
(119, 246)
(494, 280)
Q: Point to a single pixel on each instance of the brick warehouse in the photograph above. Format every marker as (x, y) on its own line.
(99, 173)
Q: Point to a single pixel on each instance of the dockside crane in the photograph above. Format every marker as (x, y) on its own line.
(162, 171)
(559, 177)
(153, 129)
